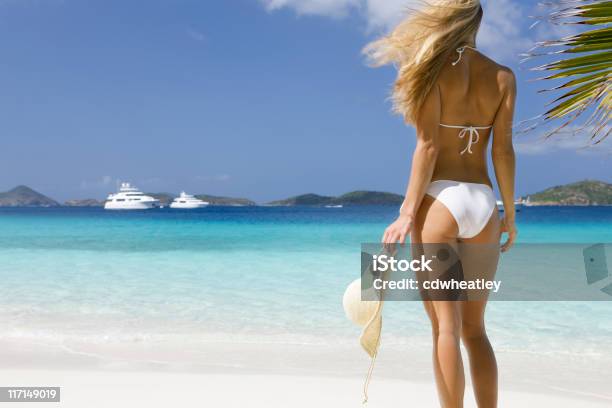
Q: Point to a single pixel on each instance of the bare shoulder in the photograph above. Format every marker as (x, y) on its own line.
(506, 80)
(504, 76)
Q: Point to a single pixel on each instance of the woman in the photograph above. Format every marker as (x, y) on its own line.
(457, 99)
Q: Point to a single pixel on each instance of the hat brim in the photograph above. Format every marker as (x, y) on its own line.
(370, 335)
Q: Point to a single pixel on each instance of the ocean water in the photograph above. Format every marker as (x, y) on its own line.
(260, 274)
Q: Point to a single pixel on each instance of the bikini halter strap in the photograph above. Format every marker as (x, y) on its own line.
(460, 51)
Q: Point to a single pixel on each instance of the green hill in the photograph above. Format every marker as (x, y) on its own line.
(588, 192)
(369, 198)
(86, 202)
(353, 198)
(304, 199)
(24, 196)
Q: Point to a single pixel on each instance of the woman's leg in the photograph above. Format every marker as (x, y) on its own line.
(435, 224)
(447, 353)
(483, 366)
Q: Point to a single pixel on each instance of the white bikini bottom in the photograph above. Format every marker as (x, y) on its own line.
(471, 204)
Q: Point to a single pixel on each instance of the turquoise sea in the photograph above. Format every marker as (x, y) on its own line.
(260, 274)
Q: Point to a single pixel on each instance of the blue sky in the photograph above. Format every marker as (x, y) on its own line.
(256, 98)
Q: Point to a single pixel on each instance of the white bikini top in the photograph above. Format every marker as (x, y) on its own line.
(472, 131)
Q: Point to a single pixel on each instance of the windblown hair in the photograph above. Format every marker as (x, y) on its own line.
(420, 46)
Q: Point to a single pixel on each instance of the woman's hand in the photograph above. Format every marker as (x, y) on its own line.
(509, 227)
(399, 230)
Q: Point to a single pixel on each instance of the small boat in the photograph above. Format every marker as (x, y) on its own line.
(130, 198)
(518, 205)
(187, 201)
(334, 206)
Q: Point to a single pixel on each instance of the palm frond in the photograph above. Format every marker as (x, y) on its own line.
(587, 66)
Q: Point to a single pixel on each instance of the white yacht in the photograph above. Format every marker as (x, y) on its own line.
(187, 201)
(518, 205)
(130, 198)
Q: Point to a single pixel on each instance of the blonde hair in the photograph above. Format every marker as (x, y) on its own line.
(420, 46)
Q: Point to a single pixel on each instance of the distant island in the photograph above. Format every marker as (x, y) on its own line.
(352, 198)
(24, 196)
(87, 202)
(582, 193)
(587, 192)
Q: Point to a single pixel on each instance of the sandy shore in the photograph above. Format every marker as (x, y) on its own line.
(158, 389)
(256, 374)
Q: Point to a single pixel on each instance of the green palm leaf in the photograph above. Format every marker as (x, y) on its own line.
(587, 67)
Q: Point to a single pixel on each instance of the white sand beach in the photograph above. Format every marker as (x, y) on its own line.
(229, 375)
(156, 389)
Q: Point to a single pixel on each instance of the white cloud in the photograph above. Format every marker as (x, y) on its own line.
(503, 33)
(566, 140)
(380, 14)
(385, 14)
(330, 8)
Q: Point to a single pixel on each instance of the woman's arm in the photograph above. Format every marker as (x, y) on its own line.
(423, 164)
(503, 156)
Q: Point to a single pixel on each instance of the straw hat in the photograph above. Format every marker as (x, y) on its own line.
(364, 313)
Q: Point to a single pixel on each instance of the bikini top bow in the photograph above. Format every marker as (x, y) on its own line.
(471, 132)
